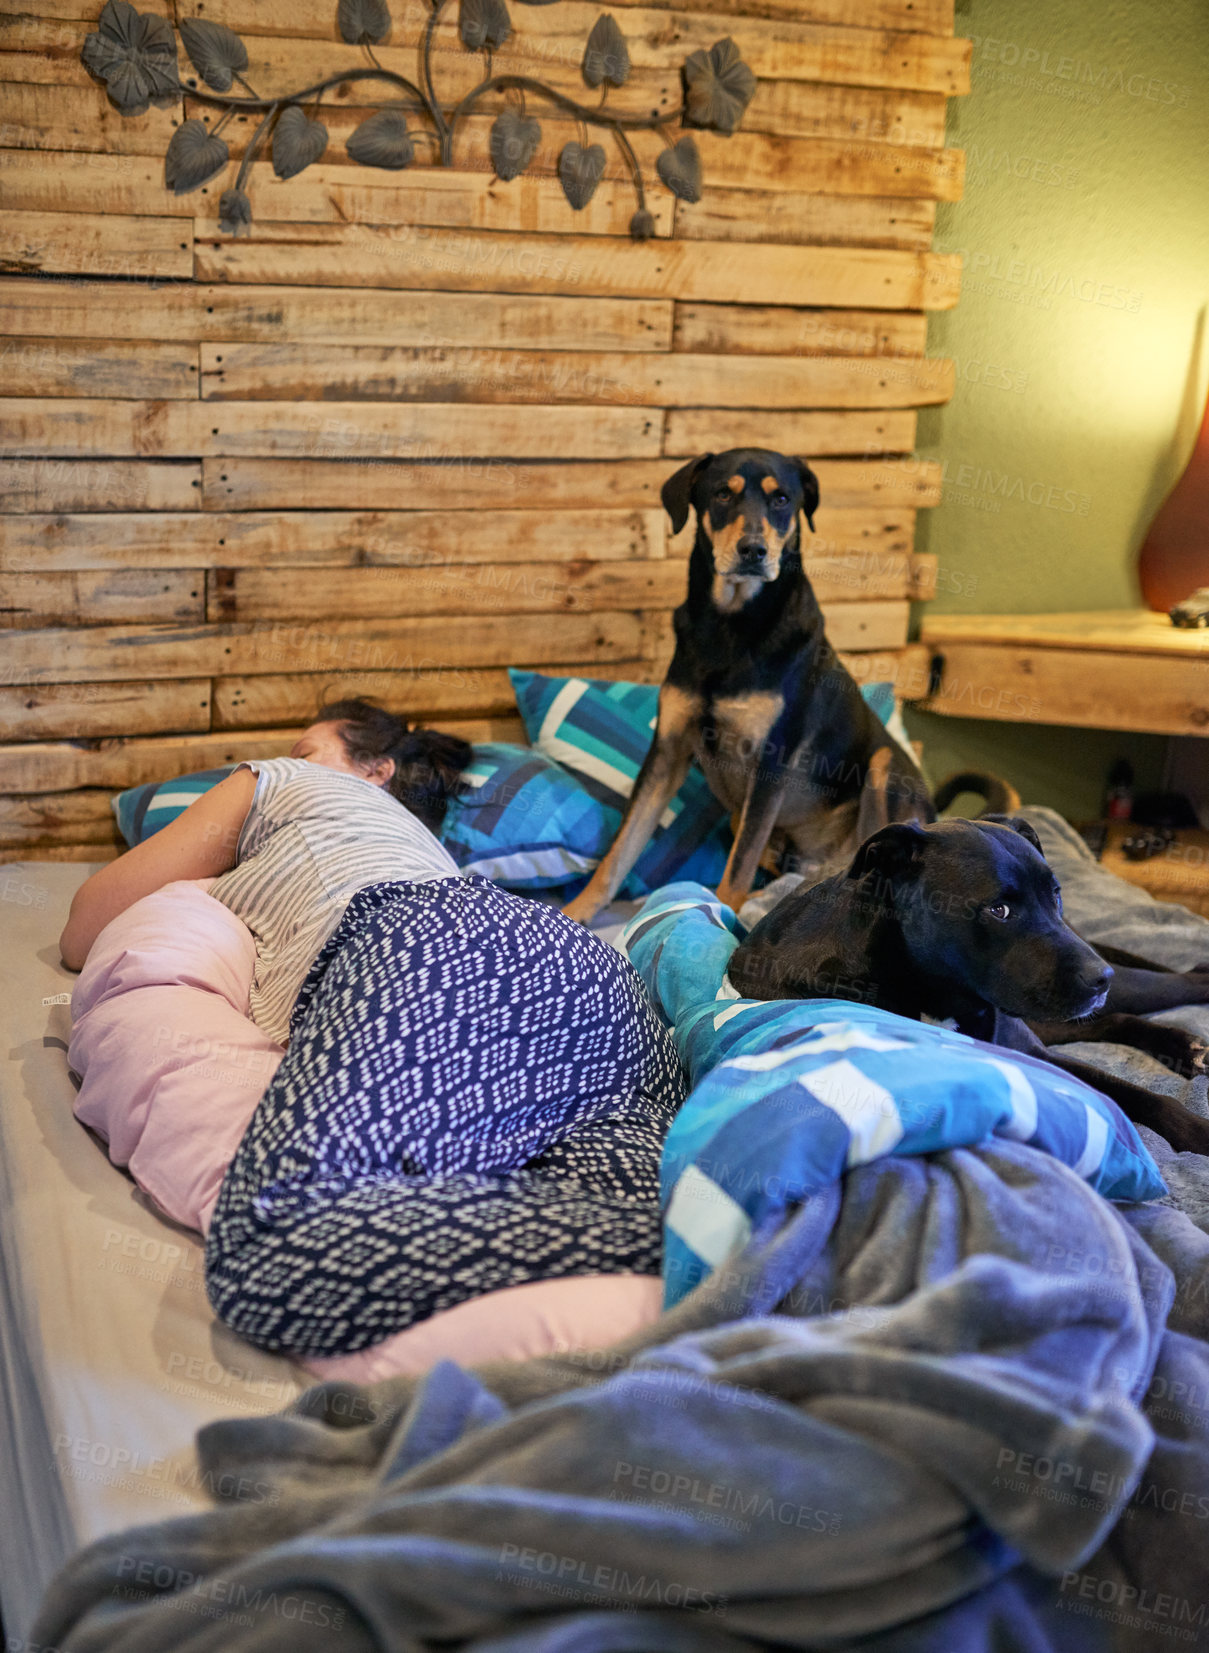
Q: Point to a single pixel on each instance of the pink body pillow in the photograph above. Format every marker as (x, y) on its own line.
(171, 1070)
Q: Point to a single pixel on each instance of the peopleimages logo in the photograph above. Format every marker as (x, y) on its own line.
(1100, 78)
(1043, 285)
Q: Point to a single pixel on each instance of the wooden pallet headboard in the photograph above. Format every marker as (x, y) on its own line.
(412, 429)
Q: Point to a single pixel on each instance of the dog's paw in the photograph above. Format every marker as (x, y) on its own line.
(581, 911)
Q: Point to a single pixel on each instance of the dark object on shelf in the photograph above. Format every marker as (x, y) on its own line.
(1174, 558)
(1164, 809)
(1140, 846)
(1193, 611)
(1118, 799)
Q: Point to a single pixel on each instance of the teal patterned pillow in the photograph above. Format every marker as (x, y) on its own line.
(143, 810)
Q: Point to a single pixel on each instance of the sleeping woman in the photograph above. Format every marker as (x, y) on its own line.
(475, 1089)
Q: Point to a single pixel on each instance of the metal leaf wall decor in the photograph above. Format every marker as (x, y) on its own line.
(135, 55)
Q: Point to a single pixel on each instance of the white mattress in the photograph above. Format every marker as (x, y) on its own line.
(110, 1358)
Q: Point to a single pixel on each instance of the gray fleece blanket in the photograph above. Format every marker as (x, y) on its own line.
(959, 1403)
(972, 1381)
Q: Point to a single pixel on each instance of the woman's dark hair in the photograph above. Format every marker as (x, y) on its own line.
(427, 763)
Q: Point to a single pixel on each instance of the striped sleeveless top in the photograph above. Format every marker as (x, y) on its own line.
(312, 838)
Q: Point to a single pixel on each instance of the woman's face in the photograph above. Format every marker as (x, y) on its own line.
(321, 743)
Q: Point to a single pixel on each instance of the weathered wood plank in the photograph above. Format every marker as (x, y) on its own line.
(1127, 630)
(86, 9)
(822, 166)
(98, 367)
(1074, 687)
(117, 653)
(331, 315)
(323, 194)
(36, 710)
(337, 539)
(776, 48)
(721, 272)
(798, 219)
(342, 373)
(55, 809)
(711, 430)
(36, 820)
(117, 597)
(79, 118)
(59, 767)
(296, 697)
(261, 484)
(926, 16)
(337, 430)
(80, 243)
(850, 627)
(458, 589)
(777, 330)
(99, 485)
(805, 109)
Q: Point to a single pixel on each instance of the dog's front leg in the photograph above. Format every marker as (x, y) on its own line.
(660, 778)
(761, 807)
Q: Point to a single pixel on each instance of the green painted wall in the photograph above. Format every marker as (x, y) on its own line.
(1081, 369)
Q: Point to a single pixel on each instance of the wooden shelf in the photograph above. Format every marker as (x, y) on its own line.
(1112, 669)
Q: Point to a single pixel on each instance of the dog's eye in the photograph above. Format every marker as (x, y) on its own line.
(723, 496)
(778, 499)
(999, 910)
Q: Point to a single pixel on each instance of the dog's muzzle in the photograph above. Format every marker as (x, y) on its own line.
(751, 558)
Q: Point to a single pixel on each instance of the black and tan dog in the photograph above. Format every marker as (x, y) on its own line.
(755, 693)
(962, 920)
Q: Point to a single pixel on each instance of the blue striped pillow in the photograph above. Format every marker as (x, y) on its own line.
(525, 821)
(143, 810)
(788, 1093)
(602, 730)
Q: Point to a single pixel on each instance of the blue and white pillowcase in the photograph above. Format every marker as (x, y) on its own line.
(523, 820)
(788, 1094)
(142, 811)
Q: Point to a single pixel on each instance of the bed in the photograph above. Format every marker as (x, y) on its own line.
(112, 1359)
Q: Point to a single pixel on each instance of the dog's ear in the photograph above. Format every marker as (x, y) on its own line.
(810, 491)
(1017, 824)
(676, 492)
(891, 853)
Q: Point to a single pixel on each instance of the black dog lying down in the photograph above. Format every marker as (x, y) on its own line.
(962, 920)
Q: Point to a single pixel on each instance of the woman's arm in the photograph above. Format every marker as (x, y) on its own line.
(200, 843)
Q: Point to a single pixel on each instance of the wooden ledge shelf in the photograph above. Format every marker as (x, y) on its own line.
(1111, 669)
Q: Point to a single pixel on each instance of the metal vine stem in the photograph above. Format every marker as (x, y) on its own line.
(618, 124)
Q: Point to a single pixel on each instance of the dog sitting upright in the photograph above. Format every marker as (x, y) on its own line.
(755, 692)
(962, 921)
